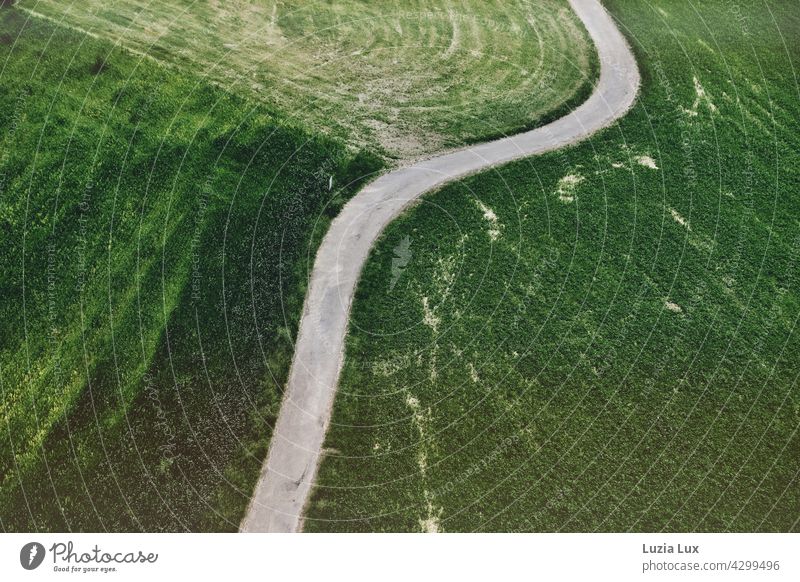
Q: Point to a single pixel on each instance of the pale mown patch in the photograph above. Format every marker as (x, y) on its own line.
(429, 317)
(673, 307)
(676, 216)
(431, 521)
(491, 217)
(701, 97)
(473, 373)
(647, 162)
(567, 186)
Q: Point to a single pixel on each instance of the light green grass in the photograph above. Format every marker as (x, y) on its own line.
(407, 78)
(155, 233)
(618, 350)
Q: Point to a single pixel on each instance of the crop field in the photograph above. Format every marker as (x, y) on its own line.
(155, 235)
(603, 338)
(404, 79)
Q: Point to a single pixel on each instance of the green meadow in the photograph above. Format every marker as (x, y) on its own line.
(602, 338)
(404, 79)
(156, 231)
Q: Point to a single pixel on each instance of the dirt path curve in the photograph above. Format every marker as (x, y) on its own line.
(288, 474)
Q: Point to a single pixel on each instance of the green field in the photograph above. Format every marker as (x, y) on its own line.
(402, 78)
(155, 238)
(603, 338)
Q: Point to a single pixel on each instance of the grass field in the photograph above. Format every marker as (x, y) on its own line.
(155, 238)
(159, 214)
(603, 338)
(402, 78)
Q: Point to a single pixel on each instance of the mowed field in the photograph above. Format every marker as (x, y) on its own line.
(404, 78)
(603, 338)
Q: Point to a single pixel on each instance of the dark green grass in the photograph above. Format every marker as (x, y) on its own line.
(155, 235)
(554, 384)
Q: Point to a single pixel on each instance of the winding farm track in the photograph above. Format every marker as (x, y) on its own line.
(288, 474)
